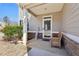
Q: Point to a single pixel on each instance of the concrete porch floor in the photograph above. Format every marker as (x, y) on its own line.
(43, 48)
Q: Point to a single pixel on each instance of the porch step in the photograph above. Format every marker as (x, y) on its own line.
(46, 38)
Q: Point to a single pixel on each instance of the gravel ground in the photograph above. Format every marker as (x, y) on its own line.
(9, 49)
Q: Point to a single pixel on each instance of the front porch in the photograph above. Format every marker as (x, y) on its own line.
(43, 48)
(64, 18)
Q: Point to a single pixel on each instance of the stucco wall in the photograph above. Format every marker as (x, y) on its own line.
(71, 19)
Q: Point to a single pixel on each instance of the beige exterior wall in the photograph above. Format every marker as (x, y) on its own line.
(56, 23)
(33, 23)
(36, 22)
(71, 18)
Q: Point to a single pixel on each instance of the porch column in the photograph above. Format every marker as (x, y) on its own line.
(25, 17)
(24, 30)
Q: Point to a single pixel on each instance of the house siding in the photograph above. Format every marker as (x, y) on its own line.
(66, 20)
(33, 23)
(56, 21)
(70, 22)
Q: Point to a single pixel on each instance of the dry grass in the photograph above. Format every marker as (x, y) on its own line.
(8, 49)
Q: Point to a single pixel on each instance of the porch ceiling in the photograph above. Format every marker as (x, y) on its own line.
(38, 9)
(44, 8)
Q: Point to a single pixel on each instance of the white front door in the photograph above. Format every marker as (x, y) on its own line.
(47, 27)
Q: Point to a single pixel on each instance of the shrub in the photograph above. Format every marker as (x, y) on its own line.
(10, 31)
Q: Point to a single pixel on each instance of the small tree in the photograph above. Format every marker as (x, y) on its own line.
(6, 20)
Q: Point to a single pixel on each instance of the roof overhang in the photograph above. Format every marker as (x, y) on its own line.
(38, 9)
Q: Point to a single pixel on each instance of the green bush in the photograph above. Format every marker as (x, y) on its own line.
(11, 31)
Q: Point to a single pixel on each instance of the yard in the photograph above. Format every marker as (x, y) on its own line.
(8, 49)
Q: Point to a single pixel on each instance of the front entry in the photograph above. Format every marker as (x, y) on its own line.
(47, 27)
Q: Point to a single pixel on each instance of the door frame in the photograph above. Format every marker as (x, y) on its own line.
(43, 24)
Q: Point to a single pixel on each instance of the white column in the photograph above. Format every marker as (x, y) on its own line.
(25, 16)
(24, 30)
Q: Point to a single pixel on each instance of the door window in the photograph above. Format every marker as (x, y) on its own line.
(47, 25)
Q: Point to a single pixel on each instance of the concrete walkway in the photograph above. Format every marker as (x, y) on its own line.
(43, 48)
